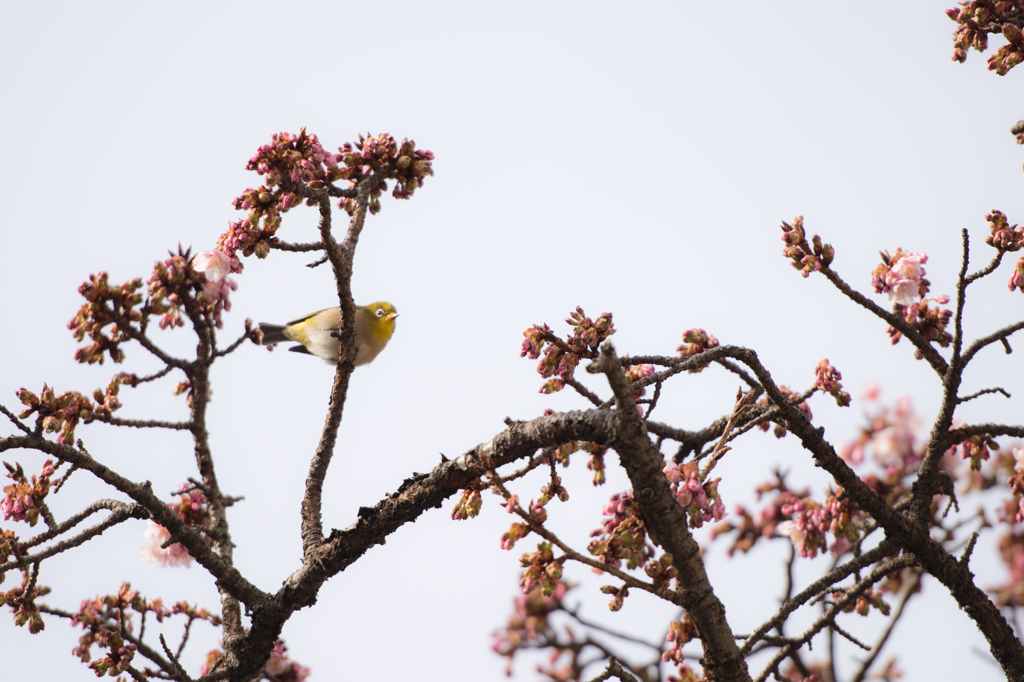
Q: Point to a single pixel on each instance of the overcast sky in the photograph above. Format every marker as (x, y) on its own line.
(636, 159)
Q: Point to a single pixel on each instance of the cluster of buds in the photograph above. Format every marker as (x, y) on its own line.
(23, 499)
(700, 497)
(529, 625)
(661, 571)
(680, 633)
(281, 668)
(929, 321)
(901, 276)
(750, 528)
(813, 520)
(1004, 237)
(696, 341)
(1017, 278)
(172, 287)
(102, 619)
(561, 357)
(468, 505)
(622, 536)
(826, 380)
(976, 449)
(22, 601)
(791, 396)
(890, 435)
(975, 20)
(867, 600)
(1011, 550)
(295, 158)
(596, 461)
(636, 373)
(106, 304)
(299, 159)
(806, 258)
(1015, 481)
(619, 595)
(193, 510)
(543, 570)
(179, 284)
(8, 546)
(381, 154)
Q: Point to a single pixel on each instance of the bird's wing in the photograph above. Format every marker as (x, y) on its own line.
(306, 317)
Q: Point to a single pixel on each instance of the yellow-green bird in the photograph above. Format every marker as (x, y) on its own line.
(375, 323)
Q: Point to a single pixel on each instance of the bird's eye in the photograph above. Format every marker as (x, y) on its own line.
(380, 312)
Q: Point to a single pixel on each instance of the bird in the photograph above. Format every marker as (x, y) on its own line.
(375, 323)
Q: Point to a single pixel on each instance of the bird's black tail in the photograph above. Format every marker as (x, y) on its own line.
(273, 333)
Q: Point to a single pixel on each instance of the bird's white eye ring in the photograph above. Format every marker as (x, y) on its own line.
(380, 312)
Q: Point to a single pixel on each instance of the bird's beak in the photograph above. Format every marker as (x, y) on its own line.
(392, 316)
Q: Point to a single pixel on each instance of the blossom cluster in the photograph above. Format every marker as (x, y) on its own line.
(826, 379)
(622, 536)
(407, 165)
(976, 449)
(901, 276)
(530, 625)
(750, 528)
(106, 304)
(562, 357)
(1003, 236)
(302, 160)
(64, 412)
(543, 570)
(108, 619)
(281, 668)
(1015, 481)
(791, 396)
(468, 505)
(180, 285)
(975, 20)
(22, 601)
(680, 633)
(193, 510)
(23, 499)
(806, 257)
(695, 341)
(812, 520)
(700, 497)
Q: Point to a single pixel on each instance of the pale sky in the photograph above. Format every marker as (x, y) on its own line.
(632, 159)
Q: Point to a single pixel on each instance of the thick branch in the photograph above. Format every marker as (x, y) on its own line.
(667, 521)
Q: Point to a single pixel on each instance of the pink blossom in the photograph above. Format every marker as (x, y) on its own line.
(903, 292)
(214, 264)
(870, 392)
(1018, 460)
(174, 555)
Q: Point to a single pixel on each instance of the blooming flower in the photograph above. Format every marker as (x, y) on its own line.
(173, 555)
(214, 264)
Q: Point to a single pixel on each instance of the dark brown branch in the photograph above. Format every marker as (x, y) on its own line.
(281, 245)
(112, 505)
(614, 670)
(583, 391)
(989, 269)
(144, 423)
(817, 588)
(1000, 335)
(906, 593)
(982, 392)
(340, 257)
(226, 574)
(667, 520)
(14, 419)
(828, 617)
(931, 355)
